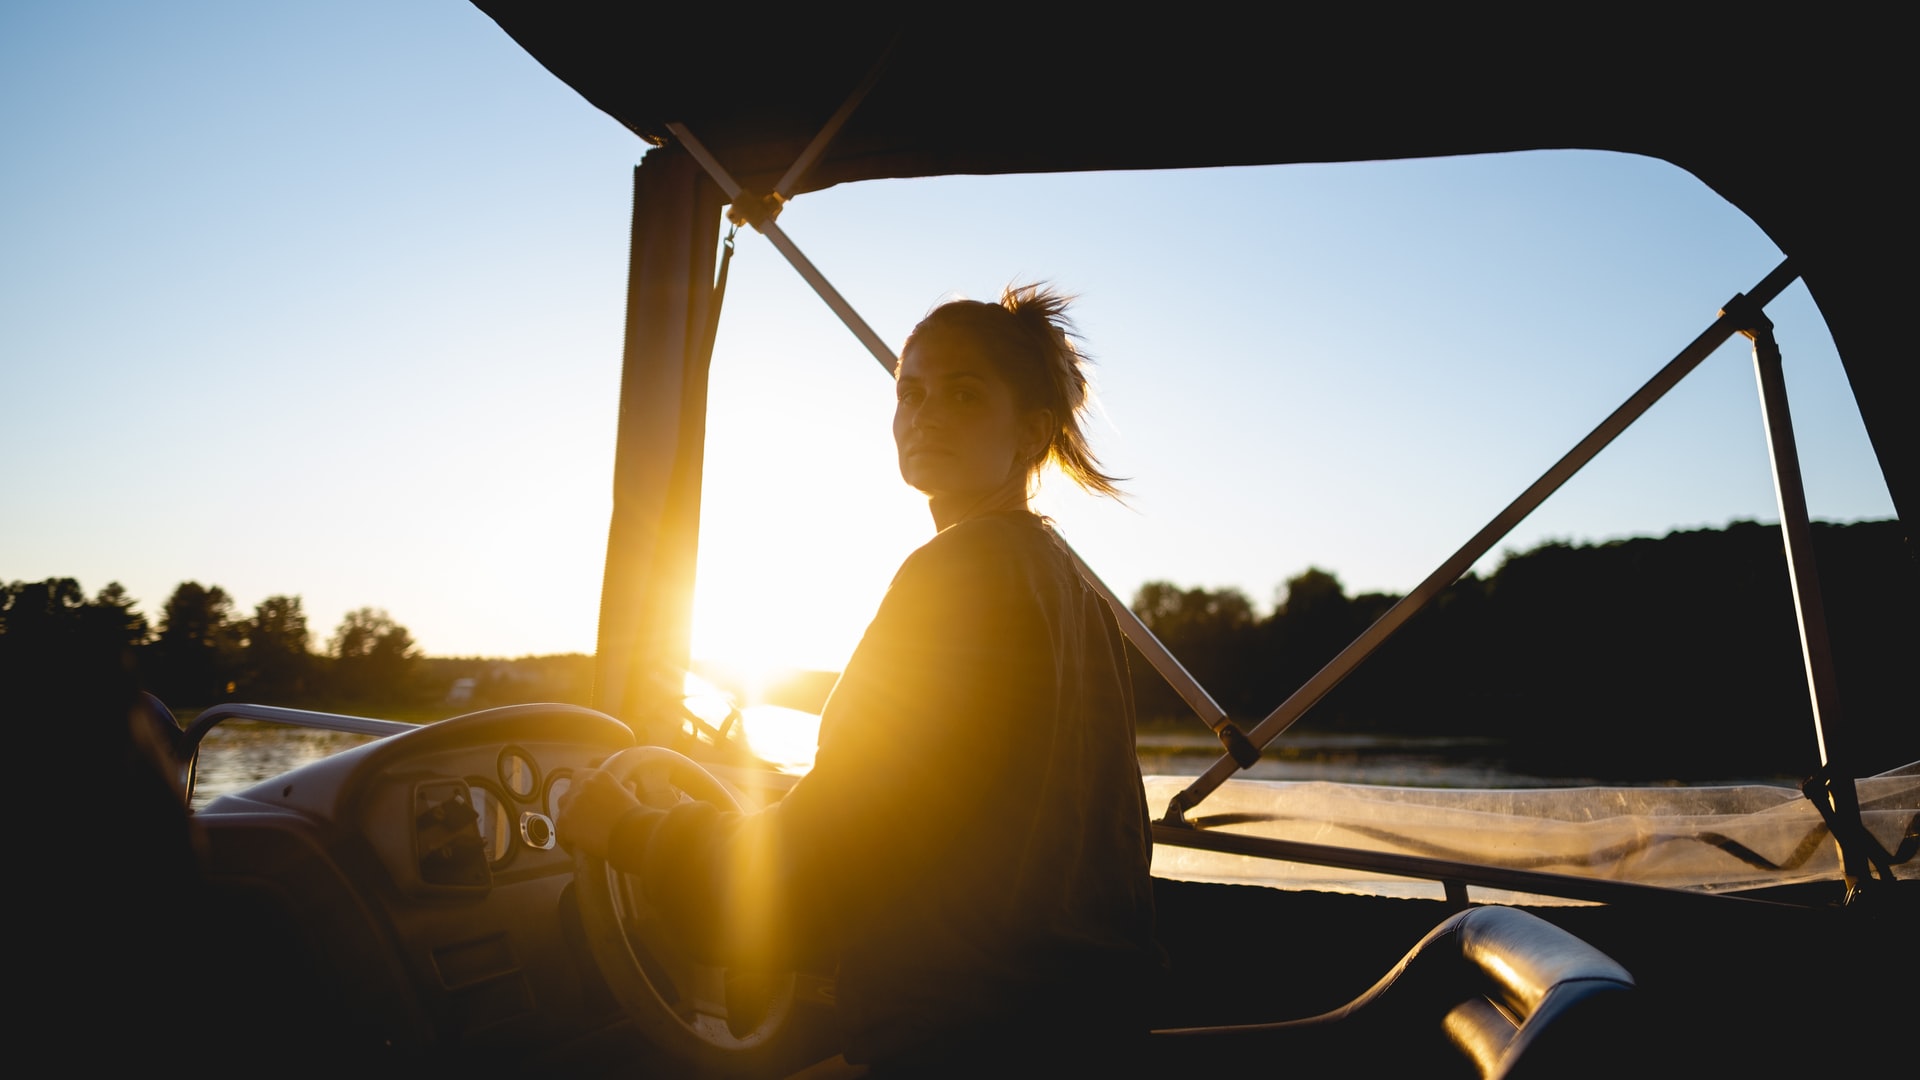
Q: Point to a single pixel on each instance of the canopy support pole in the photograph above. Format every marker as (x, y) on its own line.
(1737, 316)
(646, 594)
(1837, 791)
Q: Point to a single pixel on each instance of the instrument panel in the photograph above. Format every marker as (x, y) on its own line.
(459, 808)
(470, 829)
(456, 808)
(425, 871)
(511, 809)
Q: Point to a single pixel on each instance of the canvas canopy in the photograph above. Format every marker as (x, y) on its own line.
(1789, 120)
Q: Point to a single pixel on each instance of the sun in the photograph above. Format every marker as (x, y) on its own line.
(781, 736)
(788, 578)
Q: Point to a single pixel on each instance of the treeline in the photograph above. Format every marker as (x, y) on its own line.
(203, 650)
(1632, 658)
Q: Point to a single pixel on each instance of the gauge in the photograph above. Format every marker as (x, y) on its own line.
(496, 824)
(518, 774)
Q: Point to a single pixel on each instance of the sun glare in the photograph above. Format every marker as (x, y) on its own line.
(781, 736)
(772, 597)
(778, 735)
(706, 701)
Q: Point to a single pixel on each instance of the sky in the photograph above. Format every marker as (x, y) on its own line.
(326, 300)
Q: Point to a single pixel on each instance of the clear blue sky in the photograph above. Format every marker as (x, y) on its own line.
(326, 299)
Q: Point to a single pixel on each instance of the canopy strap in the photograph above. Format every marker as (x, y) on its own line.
(1823, 789)
(720, 288)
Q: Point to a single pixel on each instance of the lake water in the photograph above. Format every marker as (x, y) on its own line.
(237, 754)
(1356, 759)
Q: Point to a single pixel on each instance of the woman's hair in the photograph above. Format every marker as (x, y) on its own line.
(1033, 346)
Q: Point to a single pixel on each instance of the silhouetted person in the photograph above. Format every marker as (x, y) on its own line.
(132, 954)
(108, 881)
(972, 844)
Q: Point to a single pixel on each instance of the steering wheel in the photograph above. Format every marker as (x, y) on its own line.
(721, 1022)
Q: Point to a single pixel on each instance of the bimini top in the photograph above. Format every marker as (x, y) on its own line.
(1790, 123)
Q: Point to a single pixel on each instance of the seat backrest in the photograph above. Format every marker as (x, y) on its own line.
(1529, 998)
(1492, 993)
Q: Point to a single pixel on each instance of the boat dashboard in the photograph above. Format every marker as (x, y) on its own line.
(415, 891)
(407, 907)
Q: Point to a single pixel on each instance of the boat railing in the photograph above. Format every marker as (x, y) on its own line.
(186, 743)
(1453, 877)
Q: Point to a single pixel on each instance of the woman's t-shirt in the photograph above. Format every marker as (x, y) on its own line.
(972, 843)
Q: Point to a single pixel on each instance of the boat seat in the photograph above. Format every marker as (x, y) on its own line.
(1492, 992)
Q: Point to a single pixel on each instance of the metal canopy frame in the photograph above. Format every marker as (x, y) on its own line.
(1743, 314)
(914, 93)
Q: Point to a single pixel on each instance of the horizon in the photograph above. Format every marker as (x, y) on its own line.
(744, 676)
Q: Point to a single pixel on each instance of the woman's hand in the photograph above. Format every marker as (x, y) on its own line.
(589, 809)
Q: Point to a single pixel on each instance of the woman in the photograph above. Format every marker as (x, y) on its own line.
(971, 845)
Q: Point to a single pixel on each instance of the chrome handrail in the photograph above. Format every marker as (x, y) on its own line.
(187, 745)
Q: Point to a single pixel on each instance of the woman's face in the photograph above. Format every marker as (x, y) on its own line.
(957, 428)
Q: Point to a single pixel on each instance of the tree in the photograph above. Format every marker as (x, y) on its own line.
(278, 661)
(373, 655)
(1210, 631)
(40, 611)
(111, 618)
(1172, 612)
(198, 651)
(1312, 621)
(1314, 596)
(53, 640)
